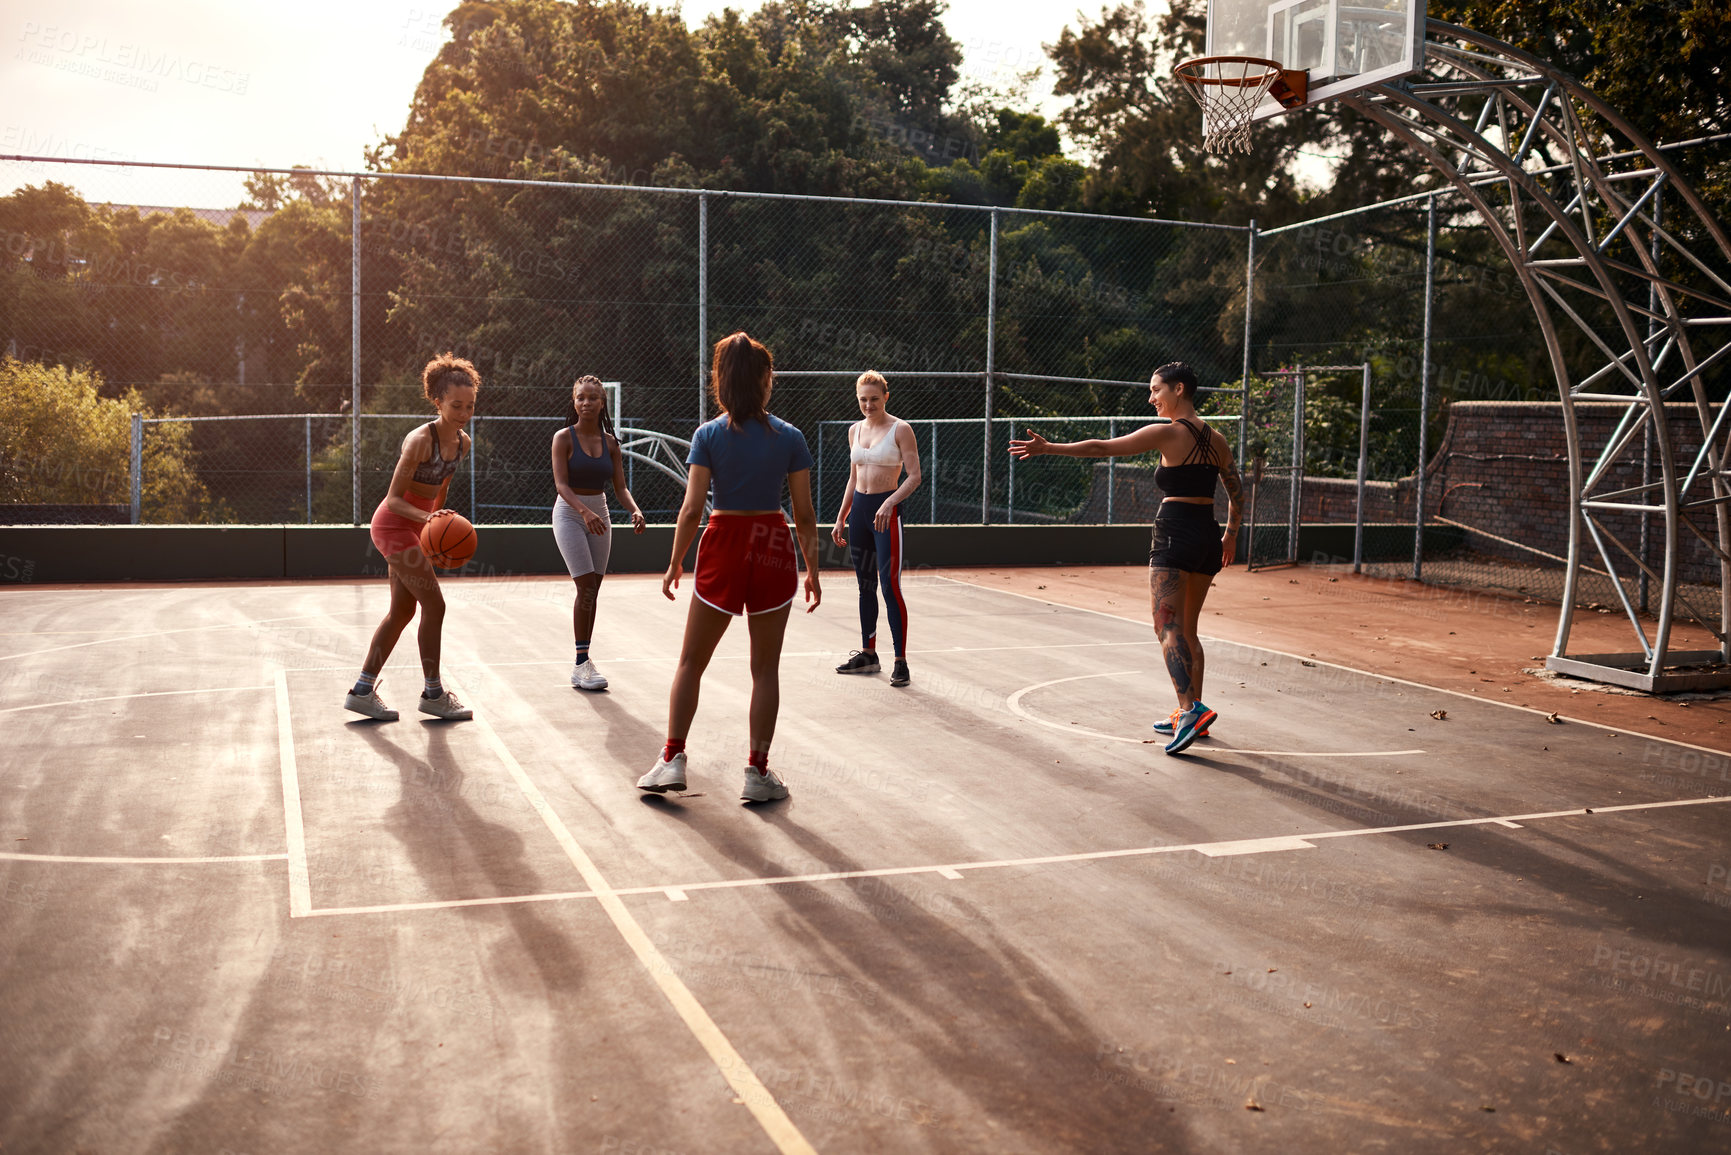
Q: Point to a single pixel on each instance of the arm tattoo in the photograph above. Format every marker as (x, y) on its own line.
(1234, 492)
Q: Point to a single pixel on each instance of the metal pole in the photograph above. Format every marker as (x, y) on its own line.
(309, 420)
(1647, 438)
(991, 363)
(702, 307)
(474, 452)
(820, 468)
(1424, 393)
(1112, 467)
(1363, 468)
(1296, 489)
(1010, 489)
(934, 473)
(355, 347)
(137, 466)
(1244, 381)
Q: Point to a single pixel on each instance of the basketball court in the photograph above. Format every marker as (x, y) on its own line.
(991, 916)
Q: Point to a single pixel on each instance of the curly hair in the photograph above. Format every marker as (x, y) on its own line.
(739, 378)
(444, 371)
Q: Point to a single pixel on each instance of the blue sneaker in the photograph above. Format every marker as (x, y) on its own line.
(1189, 727)
(1169, 725)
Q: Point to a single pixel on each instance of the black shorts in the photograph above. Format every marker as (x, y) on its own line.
(1187, 538)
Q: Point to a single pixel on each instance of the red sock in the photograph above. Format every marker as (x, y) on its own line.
(674, 746)
(759, 761)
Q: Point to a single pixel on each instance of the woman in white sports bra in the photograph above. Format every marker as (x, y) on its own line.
(879, 448)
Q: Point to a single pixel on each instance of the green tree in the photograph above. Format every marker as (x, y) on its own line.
(65, 443)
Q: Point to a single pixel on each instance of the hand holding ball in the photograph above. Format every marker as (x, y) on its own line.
(448, 539)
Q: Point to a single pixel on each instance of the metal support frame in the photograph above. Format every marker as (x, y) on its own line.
(1573, 208)
(1418, 507)
(702, 308)
(137, 467)
(1363, 471)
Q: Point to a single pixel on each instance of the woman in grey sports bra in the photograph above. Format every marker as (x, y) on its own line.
(581, 526)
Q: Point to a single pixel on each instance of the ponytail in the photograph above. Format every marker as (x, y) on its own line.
(739, 377)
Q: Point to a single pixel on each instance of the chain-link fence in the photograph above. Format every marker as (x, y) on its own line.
(243, 339)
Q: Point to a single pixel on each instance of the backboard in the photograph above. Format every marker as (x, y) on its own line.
(1345, 45)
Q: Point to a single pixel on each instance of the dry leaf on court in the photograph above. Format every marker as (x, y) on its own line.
(1302, 662)
(1553, 719)
(1437, 845)
(1440, 715)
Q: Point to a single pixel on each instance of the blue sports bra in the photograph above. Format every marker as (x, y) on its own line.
(1198, 474)
(584, 471)
(435, 470)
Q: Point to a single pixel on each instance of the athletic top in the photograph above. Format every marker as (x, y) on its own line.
(748, 464)
(1198, 474)
(885, 452)
(435, 470)
(585, 472)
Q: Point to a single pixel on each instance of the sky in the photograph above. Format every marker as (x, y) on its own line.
(240, 82)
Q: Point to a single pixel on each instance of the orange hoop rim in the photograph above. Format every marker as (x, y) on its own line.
(1274, 67)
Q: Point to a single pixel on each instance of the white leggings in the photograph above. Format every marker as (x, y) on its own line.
(584, 552)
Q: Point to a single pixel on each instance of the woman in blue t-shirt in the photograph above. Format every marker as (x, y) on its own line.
(745, 562)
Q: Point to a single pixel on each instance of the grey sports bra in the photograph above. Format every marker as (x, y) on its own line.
(436, 470)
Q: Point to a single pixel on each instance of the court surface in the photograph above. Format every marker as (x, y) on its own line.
(1363, 916)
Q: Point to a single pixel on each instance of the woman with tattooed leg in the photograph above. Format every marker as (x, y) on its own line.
(1189, 547)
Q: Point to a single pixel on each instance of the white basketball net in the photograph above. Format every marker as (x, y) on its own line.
(1228, 88)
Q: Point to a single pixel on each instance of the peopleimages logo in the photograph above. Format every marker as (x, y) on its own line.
(87, 53)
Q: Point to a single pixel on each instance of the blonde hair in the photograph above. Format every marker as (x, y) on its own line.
(872, 377)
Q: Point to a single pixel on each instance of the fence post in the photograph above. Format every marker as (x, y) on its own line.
(137, 466)
(934, 473)
(702, 306)
(309, 431)
(1424, 392)
(1363, 468)
(1249, 299)
(1010, 486)
(1111, 469)
(991, 353)
(355, 346)
(820, 425)
(1297, 489)
(474, 452)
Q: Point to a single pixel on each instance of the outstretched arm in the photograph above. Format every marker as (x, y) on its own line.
(1142, 440)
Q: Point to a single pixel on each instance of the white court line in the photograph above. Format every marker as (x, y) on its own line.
(1221, 848)
(1015, 703)
(125, 697)
(300, 882)
(744, 1081)
(1574, 721)
(182, 630)
(139, 861)
(674, 658)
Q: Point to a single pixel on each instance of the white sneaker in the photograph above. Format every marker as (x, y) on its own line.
(764, 786)
(584, 676)
(370, 704)
(664, 776)
(447, 707)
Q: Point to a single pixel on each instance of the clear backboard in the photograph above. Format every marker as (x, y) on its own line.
(1345, 46)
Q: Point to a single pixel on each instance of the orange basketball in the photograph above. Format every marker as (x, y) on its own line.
(448, 541)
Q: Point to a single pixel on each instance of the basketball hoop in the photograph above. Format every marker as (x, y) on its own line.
(1230, 87)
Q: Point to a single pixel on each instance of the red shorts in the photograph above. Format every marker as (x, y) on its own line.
(394, 533)
(747, 564)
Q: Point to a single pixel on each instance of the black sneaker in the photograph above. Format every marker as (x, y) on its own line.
(900, 676)
(860, 662)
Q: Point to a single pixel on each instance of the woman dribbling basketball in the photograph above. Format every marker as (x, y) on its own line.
(416, 495)
(746, 562)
